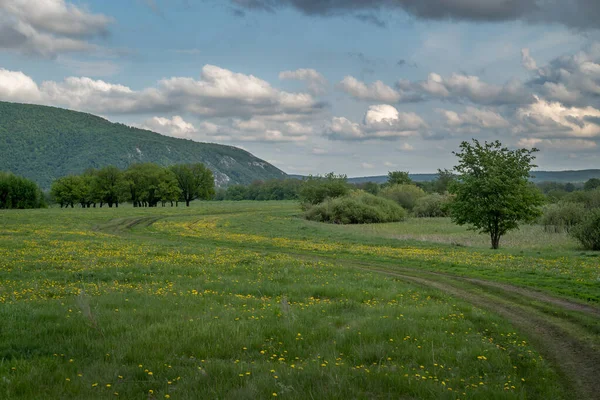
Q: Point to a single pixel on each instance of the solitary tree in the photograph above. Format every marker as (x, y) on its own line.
(195, 181)
(492, 190)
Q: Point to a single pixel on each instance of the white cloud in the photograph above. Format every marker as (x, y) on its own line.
(218, 93)
(175, 126)
(471, 88)
(257, 129)
(317, 84)
(319, 151)
(558, 144)
(367, 165)
(551, 119)
(473, 120)
(527, 61)
(380, 122)
(48, 27)
(376, 91)
(573, 80)
(404, 147)
(390, 164)
(18, 87)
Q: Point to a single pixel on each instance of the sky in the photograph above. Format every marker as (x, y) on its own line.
(358, 87)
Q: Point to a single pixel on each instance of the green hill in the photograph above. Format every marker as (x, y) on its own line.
(43, 143)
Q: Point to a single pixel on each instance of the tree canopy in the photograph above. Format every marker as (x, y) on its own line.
(19, 192)
(492, 191)
(195, 181)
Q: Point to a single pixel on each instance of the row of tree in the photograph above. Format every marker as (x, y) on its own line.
(143, 185)
(19, 193)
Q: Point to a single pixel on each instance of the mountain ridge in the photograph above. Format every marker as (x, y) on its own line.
(43, 143)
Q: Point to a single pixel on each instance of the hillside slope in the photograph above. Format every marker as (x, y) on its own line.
(43, 143)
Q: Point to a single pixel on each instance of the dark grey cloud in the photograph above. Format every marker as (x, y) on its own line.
(592, 120)
(581, 14)
(573, 80)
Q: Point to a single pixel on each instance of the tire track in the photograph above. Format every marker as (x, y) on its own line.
(577, 362)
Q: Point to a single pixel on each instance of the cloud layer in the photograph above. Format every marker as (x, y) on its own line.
(581, 14)
(218, 93)
(49, 27)
(380, 122)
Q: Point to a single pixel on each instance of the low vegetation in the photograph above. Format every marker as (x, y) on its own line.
(244, 300)
(356, 208)
(588, 230)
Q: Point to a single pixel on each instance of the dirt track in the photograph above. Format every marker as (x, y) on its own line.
(565, 341)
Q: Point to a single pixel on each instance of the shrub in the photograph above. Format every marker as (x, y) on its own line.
(433, 205)
(404, 195)
(562, 216)
(590, 199)
(588, 231)
(356, 208)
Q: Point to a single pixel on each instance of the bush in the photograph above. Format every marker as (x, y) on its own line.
(562, 216)
(356, 208)
(405, 195)
(590, 199)
(432, 206)
(588, 231)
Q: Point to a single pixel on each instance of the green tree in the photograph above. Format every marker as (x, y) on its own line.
(492, 191)
(195, 181)
(398, 178)
(405, 195)
(109, 186)
(19, 193)
(315, 189)
(66, 191)
(591, 184)
(168, 188)
(443, 180)
(142, 181)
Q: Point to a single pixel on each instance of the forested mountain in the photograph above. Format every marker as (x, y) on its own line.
(44, 143)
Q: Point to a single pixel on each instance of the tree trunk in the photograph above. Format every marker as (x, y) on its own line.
(495, 240)
(187, 203)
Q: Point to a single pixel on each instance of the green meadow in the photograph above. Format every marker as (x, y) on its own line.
(247, 300)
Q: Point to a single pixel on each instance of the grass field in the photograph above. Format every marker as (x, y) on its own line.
(247, 301)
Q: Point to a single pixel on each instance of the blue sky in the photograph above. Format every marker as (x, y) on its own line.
(354, 87)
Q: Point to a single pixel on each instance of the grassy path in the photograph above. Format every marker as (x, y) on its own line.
(561, 340)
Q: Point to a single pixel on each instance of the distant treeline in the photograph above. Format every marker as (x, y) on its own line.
(143, 185)
(273, 189)
(19, 193)
(290, 189)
